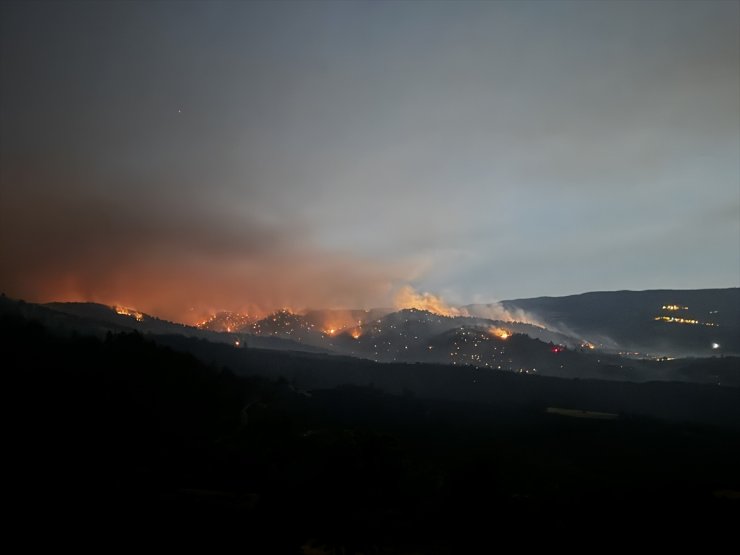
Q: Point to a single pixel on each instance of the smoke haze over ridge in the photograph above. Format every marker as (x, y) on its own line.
(188, 158)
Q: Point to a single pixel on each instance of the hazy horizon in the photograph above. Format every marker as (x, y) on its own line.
(184, 158)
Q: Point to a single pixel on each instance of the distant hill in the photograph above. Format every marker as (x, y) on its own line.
(98, 319)
(678, 322)
(408, 335)
(578, 344)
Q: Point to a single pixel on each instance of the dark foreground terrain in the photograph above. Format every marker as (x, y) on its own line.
(117, 438)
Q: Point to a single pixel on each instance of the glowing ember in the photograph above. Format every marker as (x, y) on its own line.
(356, 333)
(501, 333)
(225, 321)
(330, 331)
(123, 311)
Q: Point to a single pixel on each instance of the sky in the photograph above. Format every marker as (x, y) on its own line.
(186, 157)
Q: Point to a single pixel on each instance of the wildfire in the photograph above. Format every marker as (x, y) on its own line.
(407, 297)
(356, 333)
(501, 333)
(225, 321)
(123, 311)
(336, 321)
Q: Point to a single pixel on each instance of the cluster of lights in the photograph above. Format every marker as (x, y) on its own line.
(395, 338)
(225, 321)
(673, 320)
(676, 320)
(284, 323)
(384, 349)
(468, 348)
(303, 328)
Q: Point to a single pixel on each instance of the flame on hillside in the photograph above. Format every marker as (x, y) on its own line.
(336, 321)
(333, 322)
(407, 297)
(225, 321)
(123, 311)
(501, 333)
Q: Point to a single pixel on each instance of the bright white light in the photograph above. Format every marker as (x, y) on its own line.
(715, 345)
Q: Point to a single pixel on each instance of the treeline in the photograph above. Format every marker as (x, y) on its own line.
(124, 436)
(669, 400)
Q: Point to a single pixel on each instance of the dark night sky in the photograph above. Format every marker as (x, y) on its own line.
(206, 155)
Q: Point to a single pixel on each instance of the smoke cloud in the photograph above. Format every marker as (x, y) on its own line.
(408, 297)
(174, 262)
(496, 311)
